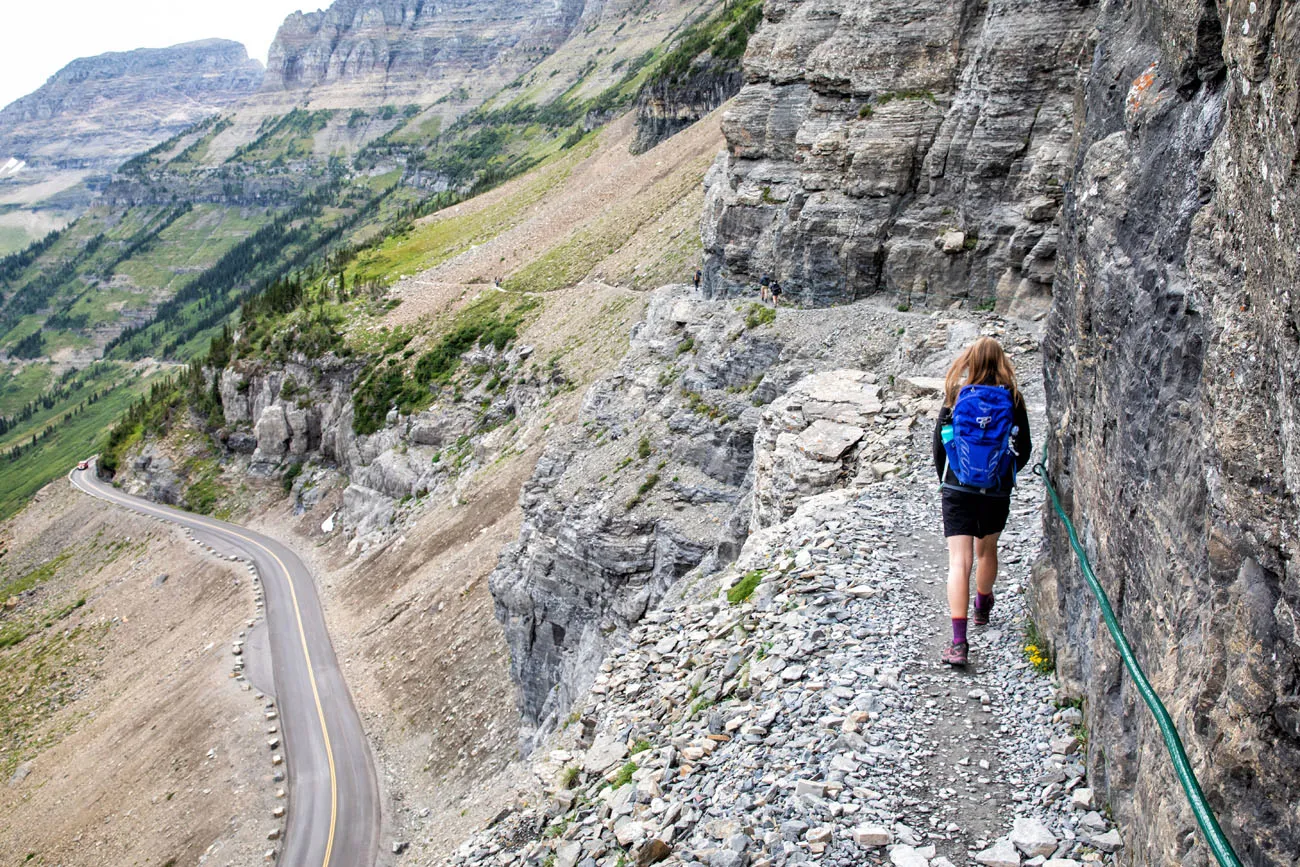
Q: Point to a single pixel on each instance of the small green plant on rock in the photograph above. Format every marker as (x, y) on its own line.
(646, 487)
(744, 588)
(624, 775)
(759, 315)
(290, 474)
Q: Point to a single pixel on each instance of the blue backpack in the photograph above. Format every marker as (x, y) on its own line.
(978, 442)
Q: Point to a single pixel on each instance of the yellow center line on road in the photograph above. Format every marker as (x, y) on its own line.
(302, 635)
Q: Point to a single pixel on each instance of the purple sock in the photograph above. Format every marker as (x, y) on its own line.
(959, 630)
(983, 601)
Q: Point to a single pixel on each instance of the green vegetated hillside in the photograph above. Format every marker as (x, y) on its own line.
(191, 233)
(45, 431)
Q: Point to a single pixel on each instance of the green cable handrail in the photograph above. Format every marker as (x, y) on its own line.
(1214, 835)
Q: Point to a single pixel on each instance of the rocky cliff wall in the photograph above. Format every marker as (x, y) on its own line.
(665, 108)
(397, 42)
(1171, 365)
(912, 148)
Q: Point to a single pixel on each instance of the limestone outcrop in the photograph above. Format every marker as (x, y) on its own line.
(809, 440)
(914, 149)
(1171, 365)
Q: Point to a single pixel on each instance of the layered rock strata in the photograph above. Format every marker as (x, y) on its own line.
(396, 44)
(97, 111)
(666, 107)
(911, 148)
(1171, 366)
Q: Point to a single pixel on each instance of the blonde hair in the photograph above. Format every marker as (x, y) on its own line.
(982, 363)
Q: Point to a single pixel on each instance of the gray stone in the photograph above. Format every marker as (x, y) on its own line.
(1108, 842)
(809, 787)
(22, 772)
(793, 829)
(907, 856)
(952, 241)
(1032, 837)
(873, 836)
(568, 854)
(827, 440)
(728, 858)
(920, 386)
(1000, 854)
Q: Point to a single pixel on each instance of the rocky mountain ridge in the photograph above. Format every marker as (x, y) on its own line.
(97, 112)
(404, 46)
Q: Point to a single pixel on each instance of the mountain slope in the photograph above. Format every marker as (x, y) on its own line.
(97, 112)
(187, 231)
(407, 520)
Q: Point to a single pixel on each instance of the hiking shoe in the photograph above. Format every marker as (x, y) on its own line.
(956, 653)
(981, 617)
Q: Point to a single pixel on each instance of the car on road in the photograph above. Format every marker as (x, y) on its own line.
(84, 465)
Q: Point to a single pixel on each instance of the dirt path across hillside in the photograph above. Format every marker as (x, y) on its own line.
(643, 191)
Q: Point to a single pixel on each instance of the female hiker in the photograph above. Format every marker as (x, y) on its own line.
(981, 442)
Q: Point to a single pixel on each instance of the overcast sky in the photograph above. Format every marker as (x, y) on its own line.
(37, 39)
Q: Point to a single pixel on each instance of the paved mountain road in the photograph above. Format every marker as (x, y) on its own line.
(333, 815)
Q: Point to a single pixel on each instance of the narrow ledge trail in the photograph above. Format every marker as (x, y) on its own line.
(812, 722)
(334, 815)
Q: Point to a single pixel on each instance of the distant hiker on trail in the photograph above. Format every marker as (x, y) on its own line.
(980, 442)
(776, 294)
(762, 288)
(697, 278)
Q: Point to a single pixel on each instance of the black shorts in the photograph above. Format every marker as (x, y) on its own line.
(969, 514)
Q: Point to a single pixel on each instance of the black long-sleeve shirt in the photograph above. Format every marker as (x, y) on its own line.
(1023, 444)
